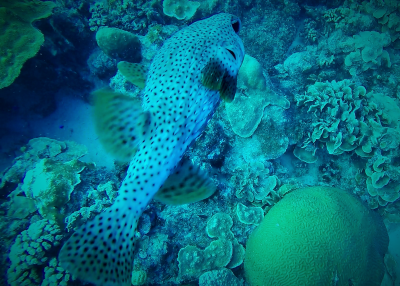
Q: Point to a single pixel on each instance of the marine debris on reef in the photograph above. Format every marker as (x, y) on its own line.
(311, 136)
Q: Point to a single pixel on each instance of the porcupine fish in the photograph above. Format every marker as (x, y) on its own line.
(192, 71)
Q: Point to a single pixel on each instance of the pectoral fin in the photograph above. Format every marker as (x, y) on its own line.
(120, 122)
(215, 76)
(134, 73)
(187, 184)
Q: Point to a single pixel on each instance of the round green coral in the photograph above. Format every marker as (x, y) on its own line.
(317, 236)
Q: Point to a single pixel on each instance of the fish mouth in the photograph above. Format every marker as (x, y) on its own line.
(232, 53)
(236, 24)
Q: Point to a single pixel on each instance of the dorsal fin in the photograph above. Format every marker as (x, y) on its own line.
(134, 73)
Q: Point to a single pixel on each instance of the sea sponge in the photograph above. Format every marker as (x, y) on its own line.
(250, 102)
(317, 236)
(251, 73)
(37, 149)
(19, 40)
(51, 183)
(180, 9)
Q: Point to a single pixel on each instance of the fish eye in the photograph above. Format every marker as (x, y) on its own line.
(236, 25)
(232, 53)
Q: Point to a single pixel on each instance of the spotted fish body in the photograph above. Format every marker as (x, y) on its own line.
(192, 71)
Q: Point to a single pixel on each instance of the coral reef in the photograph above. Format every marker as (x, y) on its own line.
(30, 250)
(51, 183)
(307, 226)
(226, 251)
(317, 104)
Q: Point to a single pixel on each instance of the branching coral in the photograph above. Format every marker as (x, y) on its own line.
(130, 16)
(30, 250)
(54, 274)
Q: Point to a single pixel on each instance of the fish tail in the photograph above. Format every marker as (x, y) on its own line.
(101, 251)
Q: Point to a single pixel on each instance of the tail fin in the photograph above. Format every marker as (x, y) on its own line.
(101, 251)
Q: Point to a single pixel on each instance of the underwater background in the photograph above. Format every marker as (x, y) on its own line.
(311, 139)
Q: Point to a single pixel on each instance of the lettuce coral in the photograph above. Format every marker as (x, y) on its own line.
(368, 52)
(253, 182)
(345, 117)
(382, 179)
(226, 251)
(387, 14)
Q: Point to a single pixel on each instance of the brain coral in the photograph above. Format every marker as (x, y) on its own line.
(317, 236)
